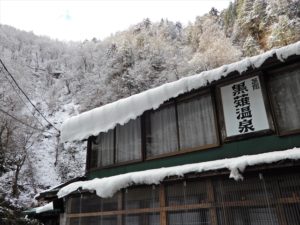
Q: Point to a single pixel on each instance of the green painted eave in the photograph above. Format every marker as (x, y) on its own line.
(250, 146)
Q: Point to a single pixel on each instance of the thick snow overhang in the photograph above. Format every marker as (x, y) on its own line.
(50, 194)
(45, 208)
(120, 112)
(108, 186)
(48, 208)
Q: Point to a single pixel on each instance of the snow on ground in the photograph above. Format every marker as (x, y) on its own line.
(43, 152)
(120, 112)
(43, 159)
(107, 187)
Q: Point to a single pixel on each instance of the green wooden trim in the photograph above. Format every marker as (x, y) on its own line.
(228, 150)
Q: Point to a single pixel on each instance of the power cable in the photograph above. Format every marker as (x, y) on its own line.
(20, 121)
(27, 96)
(13, 86)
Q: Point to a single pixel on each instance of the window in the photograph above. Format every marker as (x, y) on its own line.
(95, 220)
(122, 144)
(183, 194)
(196, 121)
(128, 141)
(250, 201)
(284, 87)
(91, 203)
(189, 217)
(187, 124)
(261, 198)
(141, 198)
(132, 206)
(141, 219)
(102, 153)
(161, 131)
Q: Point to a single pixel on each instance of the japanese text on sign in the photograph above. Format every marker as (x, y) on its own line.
(243, 107)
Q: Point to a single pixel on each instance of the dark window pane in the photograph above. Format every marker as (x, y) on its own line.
(144, 197)
(251, 188)
(128, 141)
(183, 193)
(103, 149)
(191, 217)
(161, 131)
(73, 205)
(142, 219)
(91, 203)
(248, 216)
(74, 221)
(96, 220)
(196, 122)
(292, 213)
(285, 95)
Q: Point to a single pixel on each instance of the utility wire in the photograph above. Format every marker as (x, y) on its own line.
(26, 124)
(13, 86)
(27, 96)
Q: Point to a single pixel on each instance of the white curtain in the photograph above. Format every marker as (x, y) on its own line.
(128, 141)
(162, 131)
(196, 122)
(105, 148)
(285, 95)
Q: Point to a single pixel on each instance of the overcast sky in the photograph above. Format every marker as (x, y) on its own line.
(84, 19)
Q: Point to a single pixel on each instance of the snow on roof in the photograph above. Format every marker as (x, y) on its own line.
(120, 112)
(108, 186)
(45, 208)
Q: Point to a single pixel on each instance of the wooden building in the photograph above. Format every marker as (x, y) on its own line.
(167, 156)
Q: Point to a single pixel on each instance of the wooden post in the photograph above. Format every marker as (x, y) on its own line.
(162, 204)
(211, 199)
(120, 207)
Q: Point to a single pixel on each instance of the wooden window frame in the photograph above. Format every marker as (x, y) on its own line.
(260, 133)
(143, 122)
(211, 204)
(182, 98)
(268, 75)
(146, 116)
(114, 164)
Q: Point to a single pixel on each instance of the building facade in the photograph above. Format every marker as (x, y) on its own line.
(221, 147)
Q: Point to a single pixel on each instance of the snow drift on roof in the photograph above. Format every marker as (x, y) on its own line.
(108, 186)
(120, 112)
(45, 208)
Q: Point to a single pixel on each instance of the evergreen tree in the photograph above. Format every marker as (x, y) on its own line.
(251, 47)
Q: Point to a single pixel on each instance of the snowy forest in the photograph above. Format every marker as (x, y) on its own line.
(62, 79)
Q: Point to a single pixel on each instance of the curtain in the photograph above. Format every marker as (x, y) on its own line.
(128, 141)
(162, 131)
(285, 95)
(196, 122)
(104, 144)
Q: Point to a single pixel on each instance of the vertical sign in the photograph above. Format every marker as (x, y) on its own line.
(244, 107)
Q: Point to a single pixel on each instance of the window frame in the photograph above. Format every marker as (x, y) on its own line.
(264, 74)
(146, 116)
(141, 146)
(272, 73)
(143, 121)
(115, 163)
(269, 114)
(212, 203)
(182, 98)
